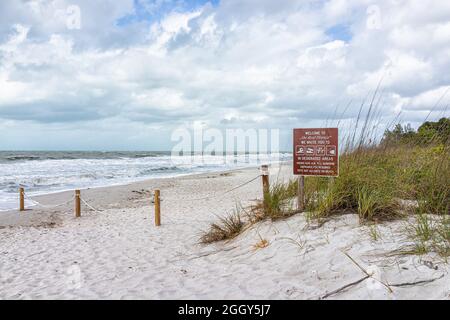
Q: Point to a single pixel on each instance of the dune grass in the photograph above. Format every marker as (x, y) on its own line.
(375, 183)
(429, 233)
(405, 173)
(278, 203)
(227, 228)
(378, 184)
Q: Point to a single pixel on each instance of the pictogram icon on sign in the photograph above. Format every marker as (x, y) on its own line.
(331, 151)
(320, 151)
(301, 150)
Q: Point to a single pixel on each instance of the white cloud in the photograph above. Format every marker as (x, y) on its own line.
(241, 63)
(329, 53)
(436, 99)
(17, 37)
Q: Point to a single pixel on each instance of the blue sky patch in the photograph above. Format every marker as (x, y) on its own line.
(153, 10)
(339, 32)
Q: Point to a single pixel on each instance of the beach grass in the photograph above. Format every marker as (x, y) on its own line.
(278, 203)
(383, 184)
(226, 228)
(406, 173)
(430, 233)
(377, 183)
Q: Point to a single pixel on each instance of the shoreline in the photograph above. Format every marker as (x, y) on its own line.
(55, 197)
(128, 196)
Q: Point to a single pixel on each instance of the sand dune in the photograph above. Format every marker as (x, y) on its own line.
(117, 253)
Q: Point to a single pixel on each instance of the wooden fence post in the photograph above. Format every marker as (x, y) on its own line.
(157, 209)
(77, 204)
(301, 193)
(265, 182)
(22, 199)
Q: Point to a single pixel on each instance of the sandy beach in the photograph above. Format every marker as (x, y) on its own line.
(116, 252)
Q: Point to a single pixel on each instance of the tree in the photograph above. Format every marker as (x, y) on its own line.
(400, 134)
(438, 132)
(429, 132)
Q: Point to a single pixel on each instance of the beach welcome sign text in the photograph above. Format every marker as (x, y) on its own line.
(316, 152)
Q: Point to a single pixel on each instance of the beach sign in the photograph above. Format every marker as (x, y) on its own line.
(316, 152)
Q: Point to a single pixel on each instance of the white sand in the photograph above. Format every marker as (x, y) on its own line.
(119, 253)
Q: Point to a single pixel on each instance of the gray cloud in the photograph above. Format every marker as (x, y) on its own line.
(241, 63)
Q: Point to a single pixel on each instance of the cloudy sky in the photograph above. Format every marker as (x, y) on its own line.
(123, 74)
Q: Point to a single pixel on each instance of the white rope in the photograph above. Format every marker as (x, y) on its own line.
(197, 199)
(59, 205)
(228, 191)
(216, 195)
(47, 206)
(89, 206)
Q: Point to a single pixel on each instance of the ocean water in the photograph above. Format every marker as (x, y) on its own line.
(48, 172)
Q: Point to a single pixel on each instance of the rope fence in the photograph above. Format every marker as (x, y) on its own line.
(89, 206)
(38, 204)
(47, 206)
(214, 196)
(156, 197)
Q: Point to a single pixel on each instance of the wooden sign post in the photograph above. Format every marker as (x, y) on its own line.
(301, 193)
(316, 153)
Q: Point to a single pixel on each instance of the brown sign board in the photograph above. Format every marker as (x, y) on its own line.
(316, 152)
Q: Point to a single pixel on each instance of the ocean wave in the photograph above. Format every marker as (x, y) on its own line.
(21, 156)
(57, 171)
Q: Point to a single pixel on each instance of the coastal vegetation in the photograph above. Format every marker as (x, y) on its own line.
(405, 175)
